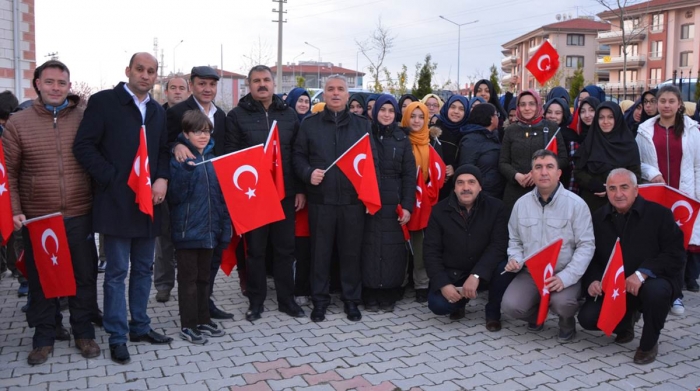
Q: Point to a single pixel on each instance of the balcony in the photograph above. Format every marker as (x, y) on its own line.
(506, 78)
(602, 50)
(615, 37)
(532, 50)
(609, 62)
(508, 63)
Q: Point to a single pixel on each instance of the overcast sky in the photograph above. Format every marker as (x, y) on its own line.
(96, 38)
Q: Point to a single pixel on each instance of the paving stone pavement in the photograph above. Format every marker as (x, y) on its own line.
(409, 349)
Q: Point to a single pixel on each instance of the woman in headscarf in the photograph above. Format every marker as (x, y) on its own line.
(649, 105)
(608, 145)
(633, 115)
(298, 99)
(404, 101)
(434, 105)
(415, 121)
(451, 122)
(475, 101)
(559, 92)
(585, 114)
(591, 91)
(484, 89)
(357, 104)
(521, 140)
(371, 100)
(512, 109)
(481, 147)
(669, 147)
(384, 257)
(557, 111)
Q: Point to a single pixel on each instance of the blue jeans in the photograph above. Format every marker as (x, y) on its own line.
(119, 251)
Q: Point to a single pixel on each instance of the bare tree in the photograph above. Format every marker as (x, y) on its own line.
(260, 53)
(83, 90)
(374, 49)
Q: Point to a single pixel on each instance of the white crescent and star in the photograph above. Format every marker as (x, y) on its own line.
(240, 170)
(355, 163)
(3, 186)
(539, 63)
(439, 171)
(683, 204)
(547, 269)
(420, 191)
(616, 292)
(49, 233)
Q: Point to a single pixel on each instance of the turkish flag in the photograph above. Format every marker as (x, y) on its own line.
(52, 255)
(248, 188)
(273, 158)
(357, 163)
(6, 224)
(140, 177)
(615, 300)
(406, 234)
(228, 256)
(301, 223)
(20, 265)
(423, 208)
(436, 173)
(552, 145)
(544, 63)
(541, 266)
(685, 209)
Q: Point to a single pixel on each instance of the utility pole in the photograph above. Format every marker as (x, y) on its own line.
(459, 44)
(280, 20)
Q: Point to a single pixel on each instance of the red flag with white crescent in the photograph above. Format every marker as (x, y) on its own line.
(249, 190)
(140, 176)
(613, 285)
(357, 163)
(6, 224)
(228, 256)
(685, 209)
(544, 63)
(541, 266)
(436, 174)
(423, 208)
(552, 144)
(47, 235)
(273, 158)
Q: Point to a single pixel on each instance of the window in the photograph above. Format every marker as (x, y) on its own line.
(631, 24)
(575, 39)
(688, 31)
(351, 80)
(574, 61)
(631, 76)
(533, 42)
(655, 76)
(657, 49)
(632, 50)
(657, 22)
(286, 78)
(686, 59)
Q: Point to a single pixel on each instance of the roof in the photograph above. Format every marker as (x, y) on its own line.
(650, 6)
(223, 73)
(324, 70)
(578, 24)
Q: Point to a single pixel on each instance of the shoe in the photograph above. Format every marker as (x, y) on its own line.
(253, 313)
(39, 355)
(566, 336)
(458, 314)
(677, 307)
(625, 336)
(62, 333)
(101, 266)
(97, 319)
(152, 337)
(193, 336)
(692, 286)
(119, 353)
(216, 313)
(63, 303)
(353, 312)
(211, 329)
(301, 300)
(88, 347)
(163, 296)
(493, 325)
(534, 327)
(23, 290)
(648, 357)
(386, 307)
(318, 314)
(371, 305)
(421, 295)
(25, 307)
(292, 309)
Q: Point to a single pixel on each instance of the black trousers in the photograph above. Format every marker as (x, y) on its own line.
(302, 266)
(282, 234)
(654, 301)
(193, 266)
(342, 225)
(83, 306)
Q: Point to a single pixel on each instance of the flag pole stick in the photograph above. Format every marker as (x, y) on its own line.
(226, 155)
(25, 222)
(269, 135)
(344, 153)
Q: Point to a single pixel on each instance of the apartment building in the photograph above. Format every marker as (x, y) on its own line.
(574, 40)
(661, 39)
(311, 71)
(17, 48)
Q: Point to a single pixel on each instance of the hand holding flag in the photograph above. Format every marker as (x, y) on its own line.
(140, 177)
(541, 266)
(51, 254)
(357, 163)
(615, 300)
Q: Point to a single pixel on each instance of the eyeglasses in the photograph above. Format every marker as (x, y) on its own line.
(650, 102)
(202, 131)
(433, 105)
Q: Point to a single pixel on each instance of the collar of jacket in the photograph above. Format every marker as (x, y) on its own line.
(186, 142)
(637, 208)
(341, 117)
(193, 104)
(249, 104)
(536, 194)
(456, 207)
(39, 106)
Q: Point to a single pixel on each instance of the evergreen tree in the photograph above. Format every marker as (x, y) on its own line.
(494, 80)
(577, 83)
(425, 78)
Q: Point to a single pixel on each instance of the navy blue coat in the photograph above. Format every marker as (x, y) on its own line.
(198, 214)
(105, 145)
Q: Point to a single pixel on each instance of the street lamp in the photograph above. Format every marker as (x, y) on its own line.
(459, 44)
(318, 63)
(294, 79)
(178, 44)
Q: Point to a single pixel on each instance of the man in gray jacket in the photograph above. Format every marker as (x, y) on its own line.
(545, 214)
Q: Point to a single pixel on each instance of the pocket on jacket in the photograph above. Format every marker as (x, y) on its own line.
(557, 224)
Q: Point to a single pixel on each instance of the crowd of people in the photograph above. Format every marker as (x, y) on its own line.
(505, 193)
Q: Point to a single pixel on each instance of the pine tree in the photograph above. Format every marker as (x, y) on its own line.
(425, 78)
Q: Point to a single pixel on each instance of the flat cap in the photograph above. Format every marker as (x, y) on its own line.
(205, 72)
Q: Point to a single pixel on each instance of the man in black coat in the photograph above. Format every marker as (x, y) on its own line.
(105, 145)
(248, 124)
(203, 85)
(466, 239)
(336, 215)
(653, 257)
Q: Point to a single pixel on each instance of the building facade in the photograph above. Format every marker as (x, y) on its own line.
(17, 48)
(574, 40)
(315, 74)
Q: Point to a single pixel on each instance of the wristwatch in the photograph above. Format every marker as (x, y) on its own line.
(639, 275)
(475, 275)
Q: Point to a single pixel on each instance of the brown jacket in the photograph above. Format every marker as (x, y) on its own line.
(43, 173)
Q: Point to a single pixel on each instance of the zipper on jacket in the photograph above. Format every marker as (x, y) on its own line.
(59, 150)
(187, 217)
(206, 175)
(668, 159)
(55, 117)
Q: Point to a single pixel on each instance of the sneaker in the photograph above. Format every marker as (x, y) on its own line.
(101, 266)
(677, 307)
(193, 336)
(210, 329)
(534, 327)
(23, 289)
